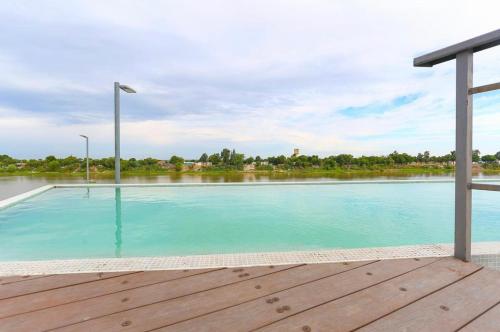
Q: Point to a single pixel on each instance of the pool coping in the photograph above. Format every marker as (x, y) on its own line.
(29, 194)
(236, 260)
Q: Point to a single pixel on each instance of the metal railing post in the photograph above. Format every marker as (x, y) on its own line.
(463, 172)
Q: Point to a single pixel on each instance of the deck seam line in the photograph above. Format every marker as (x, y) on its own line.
(268, 294)
(112, 293)
(478, 316)
(346, 295)
(416, 300)
(78, 283)
(22, 280)
(173, 298)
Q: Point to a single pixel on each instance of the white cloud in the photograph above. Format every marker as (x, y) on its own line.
(261, 76)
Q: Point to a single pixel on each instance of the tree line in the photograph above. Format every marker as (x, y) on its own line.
(230, 159)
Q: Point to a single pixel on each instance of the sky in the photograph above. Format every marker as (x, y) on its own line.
(262, 77)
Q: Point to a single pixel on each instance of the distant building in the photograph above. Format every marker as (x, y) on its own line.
(200, 165)
(249, 167)
(296, 152)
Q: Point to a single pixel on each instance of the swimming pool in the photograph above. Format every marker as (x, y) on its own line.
(94, 222)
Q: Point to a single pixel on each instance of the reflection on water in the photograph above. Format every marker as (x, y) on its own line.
(14, 185)
(118, 222)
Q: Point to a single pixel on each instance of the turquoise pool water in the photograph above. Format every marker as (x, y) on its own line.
(160, 221)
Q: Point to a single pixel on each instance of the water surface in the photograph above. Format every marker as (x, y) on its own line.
(128, 222)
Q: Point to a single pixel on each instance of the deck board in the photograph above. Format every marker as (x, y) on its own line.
(448, 309)
(169, 312)
(361, 308)
(117, 302)
(50, 298)
(298, 299)
(13, 279)
(487, 322)
(371, 296)
(52, 282)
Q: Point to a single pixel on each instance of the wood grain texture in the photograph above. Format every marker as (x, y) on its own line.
(169, 312)
(85, 310)
(448, 309)
(260, 312)
(388, 295)
(52, 282)
(487, 322)
(13, 279)
(54, 297)
(361, 308)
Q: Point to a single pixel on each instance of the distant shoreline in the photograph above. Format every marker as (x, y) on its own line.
(404, 171)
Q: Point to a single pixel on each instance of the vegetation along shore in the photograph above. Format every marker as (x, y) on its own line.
(231, 161)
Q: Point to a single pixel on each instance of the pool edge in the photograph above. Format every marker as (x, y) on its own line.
(24, 196)
(235, 260)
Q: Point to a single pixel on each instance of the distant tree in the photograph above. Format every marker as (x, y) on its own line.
(50, 158)
(280, 160)
(238, 160)
(69, 161)
(497, 155)
(427, 156)
(225, 156)
(203, 158)
(488, 158)
(214, 159)
(329, 163)
(344, 159)
(420, 157)
(53, 166)
(453, 155)
(476, 156)
(5, 159)
(178, 166)
(176, 160)
(249, 160)
(132, 163)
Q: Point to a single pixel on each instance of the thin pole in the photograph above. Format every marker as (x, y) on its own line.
(463, 172)
(88, 171)
(117, 132)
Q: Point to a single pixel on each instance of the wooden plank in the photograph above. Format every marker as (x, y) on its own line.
(50, 298)
(358, 309)
(448, 309)
(13, 279)
(168, 312)
(485, 88)
(487, 322)
(108, 304)
(52, 282)
(258, 313)
(475, 44)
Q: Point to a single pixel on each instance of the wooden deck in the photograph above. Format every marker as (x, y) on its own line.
(427, 294)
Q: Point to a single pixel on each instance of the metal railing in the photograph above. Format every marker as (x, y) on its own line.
(463, 53)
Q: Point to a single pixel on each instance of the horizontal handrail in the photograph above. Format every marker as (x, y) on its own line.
(484, 88)
(484, 186)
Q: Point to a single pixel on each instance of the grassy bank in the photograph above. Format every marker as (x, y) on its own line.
(310, 172)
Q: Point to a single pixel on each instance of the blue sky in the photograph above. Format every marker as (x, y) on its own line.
(263, 77)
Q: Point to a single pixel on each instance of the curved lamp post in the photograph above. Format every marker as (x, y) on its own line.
(127, 89)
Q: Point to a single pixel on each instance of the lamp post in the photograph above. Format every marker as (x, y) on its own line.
(87, 148)
(127, 89)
